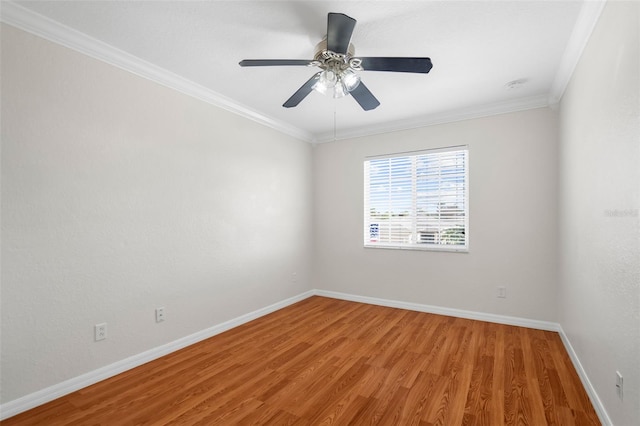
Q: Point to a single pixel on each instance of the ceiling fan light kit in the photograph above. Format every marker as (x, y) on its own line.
(335, 56)
(338, 73)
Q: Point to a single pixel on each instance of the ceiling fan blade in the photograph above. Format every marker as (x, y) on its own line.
(339, 30)
(273, 62)
(364, 97)
(302, 92)
(421, 65)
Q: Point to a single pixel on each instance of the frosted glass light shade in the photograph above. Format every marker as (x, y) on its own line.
(340, 83)
(327, 80)
(350, 79)
(340, 91)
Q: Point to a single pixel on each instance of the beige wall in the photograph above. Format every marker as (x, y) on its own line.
(119, 196)
(599, 305)
(512, 167)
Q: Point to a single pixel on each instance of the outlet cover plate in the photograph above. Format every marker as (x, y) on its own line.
(100, 331)
(160, 314)
(619, 387)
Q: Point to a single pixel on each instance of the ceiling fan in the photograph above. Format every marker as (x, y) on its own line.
(335, 56)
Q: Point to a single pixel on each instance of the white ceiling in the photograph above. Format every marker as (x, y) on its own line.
(477, 48)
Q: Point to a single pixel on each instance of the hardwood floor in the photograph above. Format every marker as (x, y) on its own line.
(331, 362)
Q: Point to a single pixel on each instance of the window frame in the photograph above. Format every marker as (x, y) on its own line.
(439, 247)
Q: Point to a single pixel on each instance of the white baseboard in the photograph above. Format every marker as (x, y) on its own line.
(500, 319)
(43, 396)
(459, 313)
(593, 396)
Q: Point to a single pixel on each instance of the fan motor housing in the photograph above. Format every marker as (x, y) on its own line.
(326, 59)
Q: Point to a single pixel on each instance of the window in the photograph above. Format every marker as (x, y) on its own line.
(417, 200)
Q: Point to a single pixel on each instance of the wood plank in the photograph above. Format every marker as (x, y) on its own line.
(331, 362)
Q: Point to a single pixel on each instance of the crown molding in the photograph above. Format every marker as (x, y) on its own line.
(584, 26)
(441, 118)
(585, 23)
(34, 23)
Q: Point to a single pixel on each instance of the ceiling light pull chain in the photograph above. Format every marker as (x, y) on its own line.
(334, 119)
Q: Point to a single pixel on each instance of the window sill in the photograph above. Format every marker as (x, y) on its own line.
(419, 248)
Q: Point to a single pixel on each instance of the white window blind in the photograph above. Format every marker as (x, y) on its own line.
(417, 200)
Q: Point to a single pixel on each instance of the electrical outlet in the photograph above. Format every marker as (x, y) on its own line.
(160, 314)
(294, 277)
(100, 331)
(619, 387)
(501, 292)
